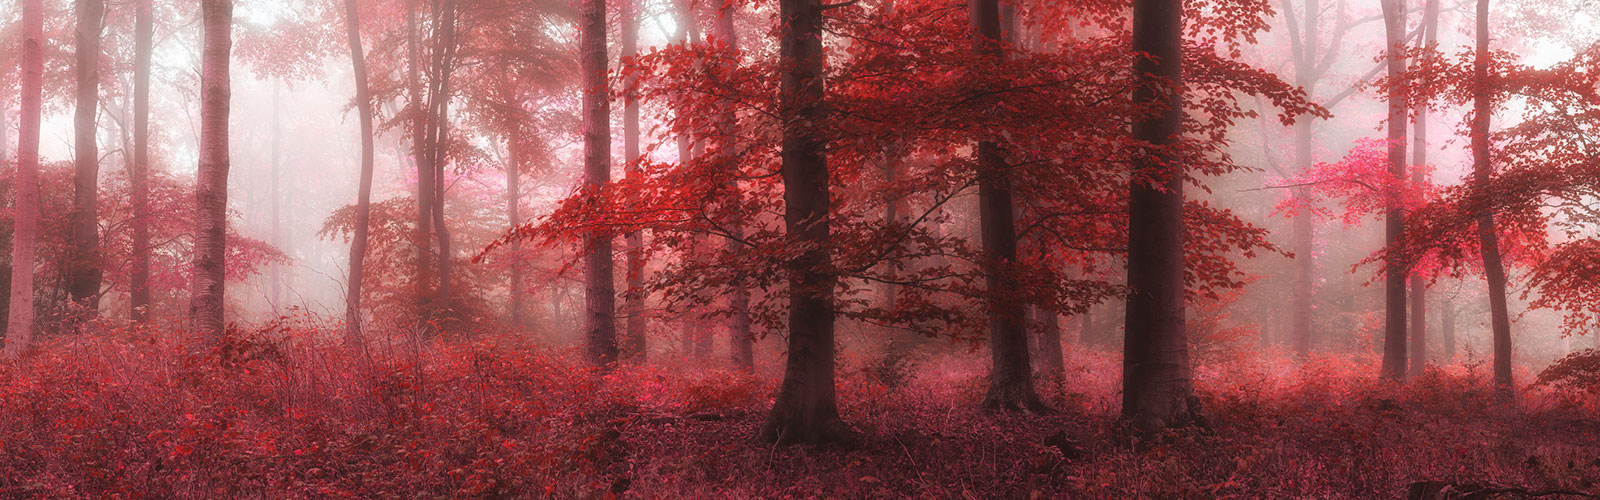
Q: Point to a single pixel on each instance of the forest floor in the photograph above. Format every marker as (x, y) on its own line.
(128, 415)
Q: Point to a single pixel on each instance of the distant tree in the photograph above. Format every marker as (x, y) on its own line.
(139, 171)
(633, 346)
(19, 322)
(211, 189)
(84, 280)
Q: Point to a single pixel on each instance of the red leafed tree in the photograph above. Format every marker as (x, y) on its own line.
(211, 187)
(20, 326)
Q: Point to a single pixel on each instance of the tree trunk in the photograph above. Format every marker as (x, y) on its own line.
(741, 343)
(25, 229)
(600, 314)
(1419, 157)
(514, 216)
(1050, 357)
(358, 242)
(1011, 375)
(85, 265)
(1303, 239)
(806, 410)
(1488, 238)
(1394, 326)
(438, 143)
(276, 274)
(1447, 331)
(1157, 387)
(211, 180)
(634, 345)
(419, 152)
(139, 176)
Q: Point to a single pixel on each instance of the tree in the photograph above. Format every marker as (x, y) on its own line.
(806, 410)
(1419, 176)
(634, 345)
(740, 339)
(84, 281)
(19, 320)
(139, 174)
(211, 189)
(599, 290)
(1394, 329)
(1157, 391)
(1489, 243)
(358, 243)
(1011, 376)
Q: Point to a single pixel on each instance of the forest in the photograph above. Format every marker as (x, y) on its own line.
(954, 249)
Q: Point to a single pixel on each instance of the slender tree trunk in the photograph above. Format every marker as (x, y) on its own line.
(211, 180)
(439, 142)
(514, 216)
(634, 346)
(1050, 357)
(1087, 336)
(600, 315)
(740, 340)
(25, 229)
(806, 410)
(1419, 157)
(139, 176)
(1303, 240)
(1447, 331)
(276, 165)
(85, 265)
(1489, 241)
(358, 242)
(1157, 387)
(1394, 330)
(1011, 376)
(419, 152)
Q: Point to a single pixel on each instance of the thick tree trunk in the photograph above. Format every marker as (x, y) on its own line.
(741, 341)
(1011, 375)
(358, 242)
(139, 176)
(211, 180)
(1419, 157)
(1157, 388)
(806, 410)
(1394, 326)
(1488, 238)
(600, 314)
(85, 265)
(25, 229)
(634, 344)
